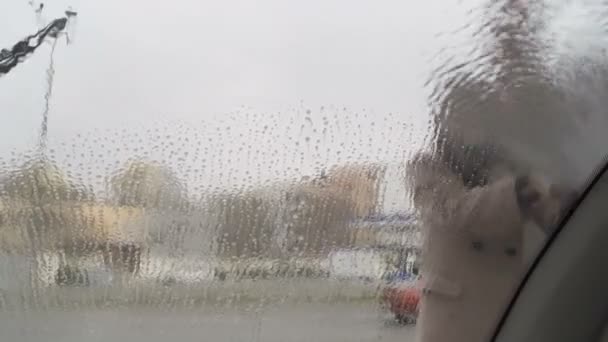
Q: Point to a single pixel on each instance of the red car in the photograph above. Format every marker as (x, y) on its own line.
(403, 299)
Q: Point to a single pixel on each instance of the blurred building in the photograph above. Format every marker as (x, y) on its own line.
(314, 215)
(73, 228)
(304, 218)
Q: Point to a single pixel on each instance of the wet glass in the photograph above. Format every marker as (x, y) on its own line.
(285, 171)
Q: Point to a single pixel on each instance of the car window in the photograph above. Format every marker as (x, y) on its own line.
(287, 171)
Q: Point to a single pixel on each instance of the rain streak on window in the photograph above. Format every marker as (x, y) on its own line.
(284, 171)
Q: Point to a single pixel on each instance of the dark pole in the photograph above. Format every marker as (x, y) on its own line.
(9, 58)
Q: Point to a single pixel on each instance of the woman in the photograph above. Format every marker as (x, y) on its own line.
(475, 250)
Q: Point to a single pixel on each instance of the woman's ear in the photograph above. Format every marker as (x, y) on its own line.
(537, 202)
(544, 205)
(528, 195)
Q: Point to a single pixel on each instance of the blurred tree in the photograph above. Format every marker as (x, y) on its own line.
(39, 181)
(39, 206)
(244, 224)
(148, 185)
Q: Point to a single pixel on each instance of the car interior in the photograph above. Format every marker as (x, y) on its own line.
(564, 297)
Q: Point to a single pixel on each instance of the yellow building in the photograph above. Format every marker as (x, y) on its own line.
(73, 228)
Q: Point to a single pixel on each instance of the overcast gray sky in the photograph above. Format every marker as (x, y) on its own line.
(332, 82)
(229, 92)
(196, 60)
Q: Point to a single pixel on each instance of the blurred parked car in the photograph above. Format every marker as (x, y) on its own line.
(401, 297)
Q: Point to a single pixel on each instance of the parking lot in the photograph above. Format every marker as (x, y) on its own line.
(280, 323)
